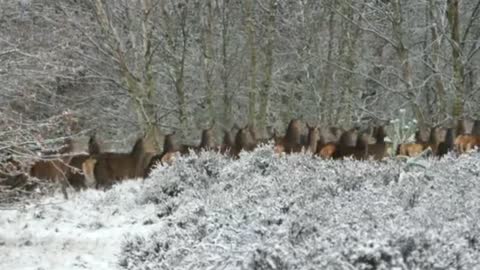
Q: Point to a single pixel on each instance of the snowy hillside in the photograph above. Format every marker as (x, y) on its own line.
(260, 212)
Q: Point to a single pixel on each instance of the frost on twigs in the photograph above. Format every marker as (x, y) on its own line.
(401, 130)
(300, 212)
(21, 188)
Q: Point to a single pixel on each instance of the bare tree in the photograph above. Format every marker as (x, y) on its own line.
(268, 70)
(251, 46)
(154, 66)
(131, 50)
(208, 61)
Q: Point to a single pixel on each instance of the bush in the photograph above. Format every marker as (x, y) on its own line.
(300, 212)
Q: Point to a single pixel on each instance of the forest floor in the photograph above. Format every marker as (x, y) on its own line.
(259, 212)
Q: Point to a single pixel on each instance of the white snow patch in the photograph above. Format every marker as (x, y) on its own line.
(84, 232)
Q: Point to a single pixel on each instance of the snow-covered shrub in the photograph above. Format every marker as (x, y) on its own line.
(300, 212)
(189, 173)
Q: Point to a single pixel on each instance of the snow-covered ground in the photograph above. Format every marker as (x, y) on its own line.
(84, 232)
(259, 212)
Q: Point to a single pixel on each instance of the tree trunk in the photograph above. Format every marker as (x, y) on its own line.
(347, 53)
(328, 93)
(208, 61)
(179, 65)
(252, 91)
(141, 87)
(458, 67)
(151, 129)
(227, 93)
(288, 100)
(403, 55)
(267, 82)
(435, 56)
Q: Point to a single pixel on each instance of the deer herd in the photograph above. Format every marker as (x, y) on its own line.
(98, 169)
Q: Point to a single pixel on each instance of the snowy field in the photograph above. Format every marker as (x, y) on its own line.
(259, 212)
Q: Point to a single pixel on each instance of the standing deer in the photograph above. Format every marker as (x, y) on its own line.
(111, 167)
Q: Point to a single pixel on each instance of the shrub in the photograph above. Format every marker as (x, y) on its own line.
(300, 212)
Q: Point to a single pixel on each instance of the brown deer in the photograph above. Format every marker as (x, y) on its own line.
(448, 145)
(379, 134)
(88, 169)
(358, 151)
(170, 149)
(227, 145)
(54, 167)
(379, 149)
(476, 128)
(243, 141)
(292, 142)
(253, 132)
(75, 174)
(111, 167)
(415, 149)
(278, 143)
(262, 140)
(464, 143)
(461, 128)
(325, 149)
(433, 140)
(349, 144)
(412, 149)
(207, 141)
(336, 133)
(312, 138)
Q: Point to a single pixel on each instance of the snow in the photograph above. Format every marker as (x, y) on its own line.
(84, 232)
(260, 212)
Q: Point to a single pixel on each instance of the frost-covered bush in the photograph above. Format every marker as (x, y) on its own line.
(300, 212)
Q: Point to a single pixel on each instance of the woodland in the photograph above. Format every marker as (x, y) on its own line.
(82, 80)
(123, 68)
